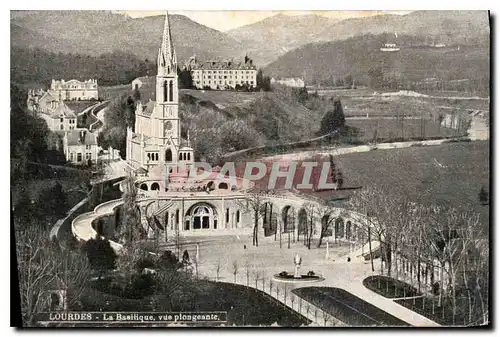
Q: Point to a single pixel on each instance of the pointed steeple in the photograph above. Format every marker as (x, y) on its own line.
(166, 56)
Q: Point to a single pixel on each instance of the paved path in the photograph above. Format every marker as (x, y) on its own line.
(268, 259)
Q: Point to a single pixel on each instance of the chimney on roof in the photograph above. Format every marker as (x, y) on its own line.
(82, 136)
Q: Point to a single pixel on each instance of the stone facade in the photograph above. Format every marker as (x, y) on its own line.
(223, 75)
(75, 90)
(80, 146)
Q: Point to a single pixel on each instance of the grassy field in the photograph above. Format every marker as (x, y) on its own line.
(389, 129)
(107, 93)
(346, 307)
(389, 287)
(244, 306)
(451, 174)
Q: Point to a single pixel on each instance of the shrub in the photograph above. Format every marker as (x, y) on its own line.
(283, 274)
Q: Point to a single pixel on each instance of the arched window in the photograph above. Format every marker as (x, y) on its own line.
(165, 91)
(180, 156)
(237, 216)
(144, 187)
(155, 187)
(171, 91)
(223, 186)
(189, 156)
(168, 155)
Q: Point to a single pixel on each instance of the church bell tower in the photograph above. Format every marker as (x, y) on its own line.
(167, 95)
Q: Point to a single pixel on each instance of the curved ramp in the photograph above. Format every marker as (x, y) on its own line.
(82, 225)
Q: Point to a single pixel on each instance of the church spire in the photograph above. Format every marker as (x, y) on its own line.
(166, 57)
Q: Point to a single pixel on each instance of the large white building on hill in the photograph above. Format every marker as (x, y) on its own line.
(222, 75)
(75, 90)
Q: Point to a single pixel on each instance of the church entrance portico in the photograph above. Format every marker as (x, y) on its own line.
(201, 216)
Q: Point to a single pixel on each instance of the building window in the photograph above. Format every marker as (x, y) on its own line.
(238, 216)
(79, 157)
(227, 215)
(62, 120)
(87, 147)
(71, 158)
(88, 156)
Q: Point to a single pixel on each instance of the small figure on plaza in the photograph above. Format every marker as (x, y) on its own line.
(297, 261)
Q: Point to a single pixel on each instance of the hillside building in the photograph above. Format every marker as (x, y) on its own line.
(75, 90)
(60, 117)
(80, 146)
(222, 75)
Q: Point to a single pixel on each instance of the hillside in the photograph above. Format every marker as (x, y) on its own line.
(98, 32)
(360, 55)
(449, 27)
(276, 35)
(220, 124)
(38, 67)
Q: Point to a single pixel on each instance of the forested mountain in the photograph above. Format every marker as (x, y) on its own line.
(98, 32)
(362, 58)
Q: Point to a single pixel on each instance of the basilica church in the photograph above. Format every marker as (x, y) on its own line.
(155, 145)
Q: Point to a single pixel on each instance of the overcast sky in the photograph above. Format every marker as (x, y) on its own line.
(225, 20)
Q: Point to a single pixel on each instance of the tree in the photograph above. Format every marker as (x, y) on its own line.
(326, 217)
(483, 196)
(130, 229)
(312, 210)
(263, 82)
(100, 254)
(333, 120)
(43, 266)
(348, 81)
(255, 204)
(185, 79)
(136, 94)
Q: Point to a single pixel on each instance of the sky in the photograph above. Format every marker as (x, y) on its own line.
(226, 20)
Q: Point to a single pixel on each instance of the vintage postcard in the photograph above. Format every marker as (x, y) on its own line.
(250, 169)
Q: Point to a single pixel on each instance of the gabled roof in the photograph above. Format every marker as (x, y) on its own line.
(63, 110)
(47, 96)
(80, 137)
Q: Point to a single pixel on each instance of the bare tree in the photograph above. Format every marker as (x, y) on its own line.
(217, 269)
(43, 266)
(235, 269)
(312, 211)
(325, 216)
(254, 204)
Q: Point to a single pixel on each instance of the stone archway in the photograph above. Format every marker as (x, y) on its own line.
(339, 228)
(270, 218)
(302, 224)
(211, 186)
(201, 216)
(348, 230)
(144, 187)
(326, 227)
(288, 217)
(223, 186)
(155, 187)
(168, 155)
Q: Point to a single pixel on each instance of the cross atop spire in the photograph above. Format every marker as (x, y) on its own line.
(166, 56)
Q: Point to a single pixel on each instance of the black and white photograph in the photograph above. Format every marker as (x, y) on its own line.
(265, 168)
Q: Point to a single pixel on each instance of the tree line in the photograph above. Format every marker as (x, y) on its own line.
(38, 66)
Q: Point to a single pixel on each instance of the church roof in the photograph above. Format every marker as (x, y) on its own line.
(224, 65)
(147, 109)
